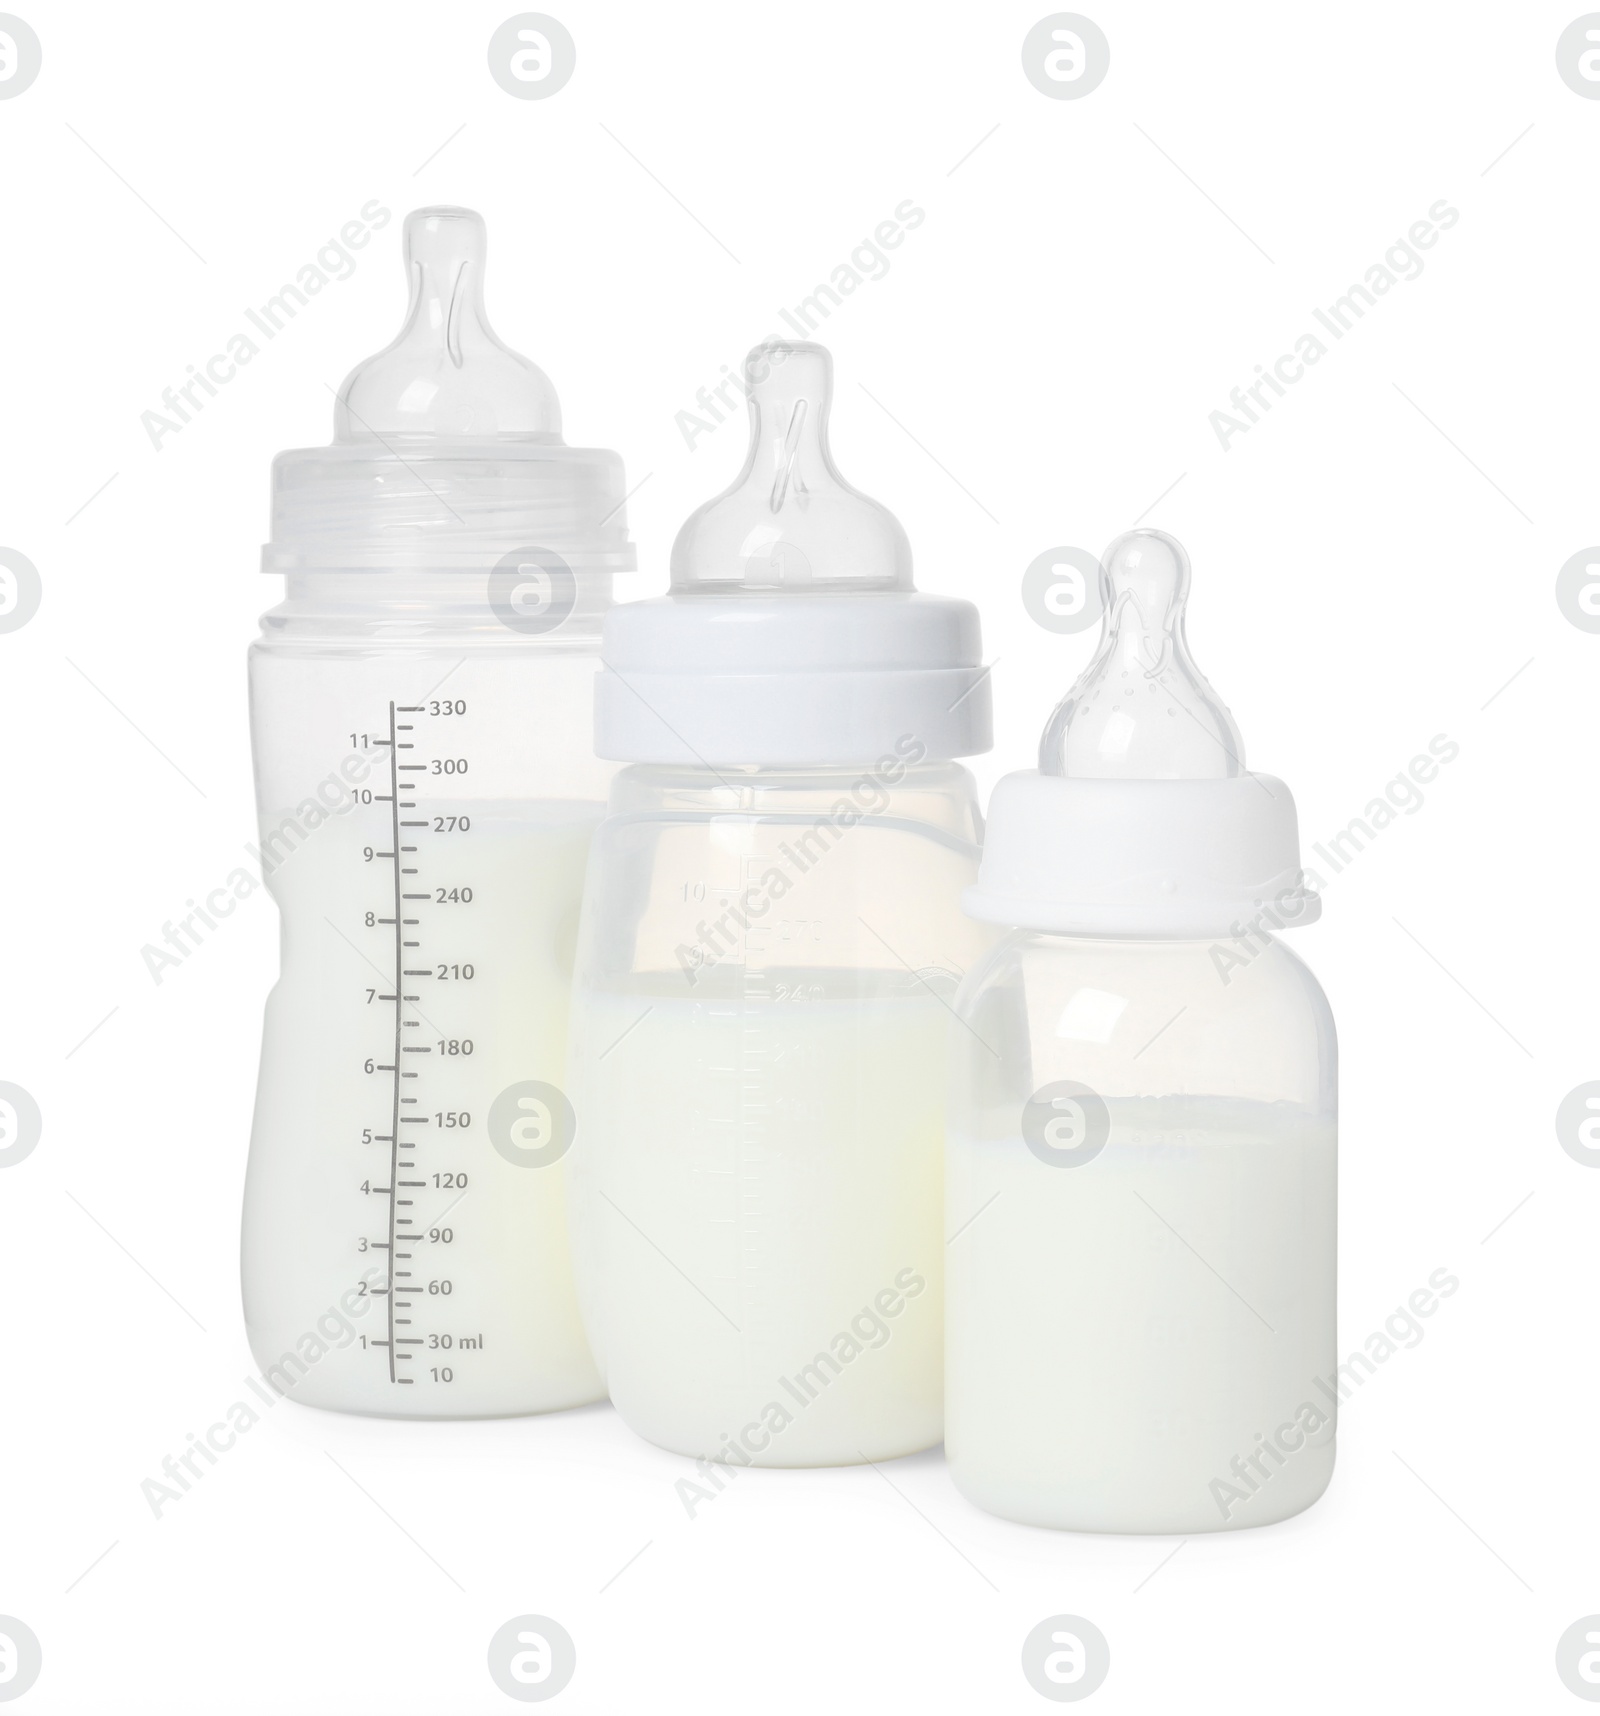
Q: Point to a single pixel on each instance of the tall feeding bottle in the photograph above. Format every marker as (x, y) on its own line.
(771, 938)
(427, 785)
(1140, 1175)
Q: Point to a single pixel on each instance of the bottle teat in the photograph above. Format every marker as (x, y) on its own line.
(447, 377)
(1142, 710)
(790, 520)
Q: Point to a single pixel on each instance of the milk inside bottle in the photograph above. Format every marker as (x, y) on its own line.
(1140, 1185)
(771, 940)
(427, 786)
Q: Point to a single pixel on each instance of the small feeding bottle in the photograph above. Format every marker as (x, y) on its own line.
(771, 939)
(1140, 1178)
(427, 786)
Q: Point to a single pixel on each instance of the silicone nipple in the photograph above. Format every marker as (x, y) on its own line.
(790, 519)
(1142, 710)
(446, 377)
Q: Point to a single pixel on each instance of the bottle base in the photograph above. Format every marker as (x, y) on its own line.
(468, 1414)
(735, 1451)
(1060, 1508)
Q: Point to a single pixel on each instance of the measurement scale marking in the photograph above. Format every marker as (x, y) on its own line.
(399, 961)
(400, 1289)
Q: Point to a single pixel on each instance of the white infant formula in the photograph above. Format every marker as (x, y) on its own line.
(758, 1190)
(396, 1261)
(1134, 1342)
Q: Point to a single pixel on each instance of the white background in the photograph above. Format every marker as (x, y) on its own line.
(1373, 563)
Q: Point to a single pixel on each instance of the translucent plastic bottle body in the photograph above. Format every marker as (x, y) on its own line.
(1140, 1304)
(759, 1035)
(427, 794)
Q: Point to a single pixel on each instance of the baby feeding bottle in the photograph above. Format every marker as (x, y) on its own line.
(427, 786)
(771, 940)
(1140, 1179)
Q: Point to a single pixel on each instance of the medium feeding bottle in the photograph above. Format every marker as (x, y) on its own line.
(427, 786)
(1140, 1180)
(771, 937)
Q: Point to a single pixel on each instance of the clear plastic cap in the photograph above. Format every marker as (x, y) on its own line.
(1142, 710)
(447, 452)
(790, 521)
(447, 376)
